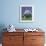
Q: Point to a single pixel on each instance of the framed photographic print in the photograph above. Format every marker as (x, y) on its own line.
(26, 13)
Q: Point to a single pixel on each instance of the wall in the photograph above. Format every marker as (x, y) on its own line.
(10, 13)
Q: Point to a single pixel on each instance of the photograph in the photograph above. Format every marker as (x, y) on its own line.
(26, 13)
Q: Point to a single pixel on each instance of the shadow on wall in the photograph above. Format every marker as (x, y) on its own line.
(2, 26)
